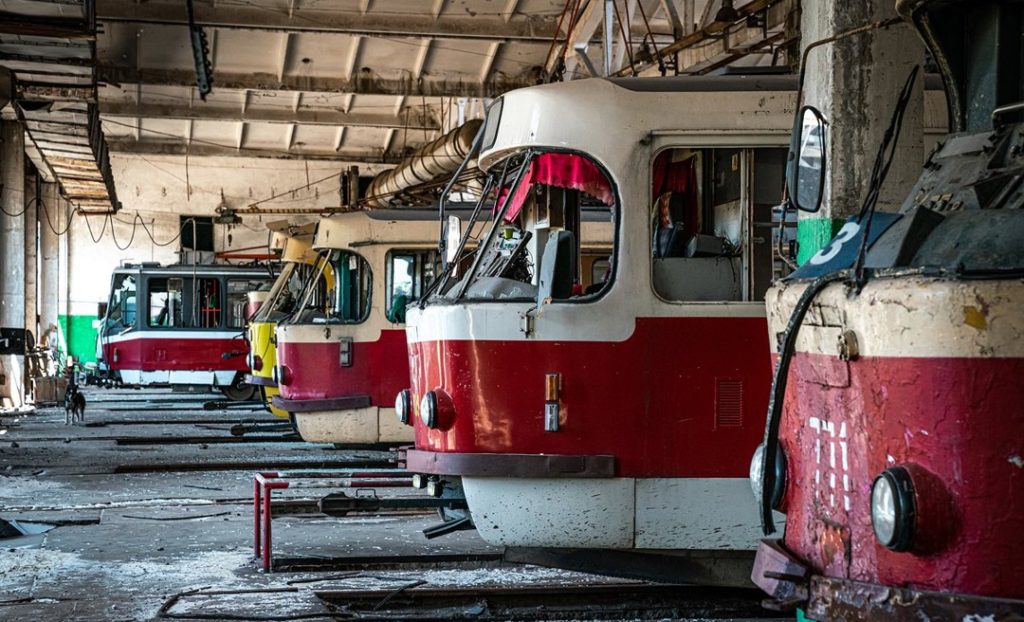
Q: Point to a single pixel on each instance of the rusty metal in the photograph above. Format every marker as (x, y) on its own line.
(843, 599)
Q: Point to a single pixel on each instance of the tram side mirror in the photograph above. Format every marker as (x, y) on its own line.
(452, 238)
(805, 169)
(556, 268)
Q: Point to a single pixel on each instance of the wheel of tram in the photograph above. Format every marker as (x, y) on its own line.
(240, 390)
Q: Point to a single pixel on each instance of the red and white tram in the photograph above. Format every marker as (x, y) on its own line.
(341, 356)
(609, 402)
(181, 325)
(896, 439)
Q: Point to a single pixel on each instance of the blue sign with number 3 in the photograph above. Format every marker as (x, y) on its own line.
(841, 252)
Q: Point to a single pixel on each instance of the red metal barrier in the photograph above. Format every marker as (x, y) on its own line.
(266, 482)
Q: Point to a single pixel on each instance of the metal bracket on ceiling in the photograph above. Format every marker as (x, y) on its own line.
(200, 54)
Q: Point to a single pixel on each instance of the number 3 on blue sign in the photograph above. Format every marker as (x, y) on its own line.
(827, 254)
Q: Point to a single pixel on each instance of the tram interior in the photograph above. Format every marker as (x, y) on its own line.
(711, 222)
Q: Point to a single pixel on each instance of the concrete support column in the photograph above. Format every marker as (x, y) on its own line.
(31, 253)
(64, 275)
(50, 222)
(855, 82)
(12, 225)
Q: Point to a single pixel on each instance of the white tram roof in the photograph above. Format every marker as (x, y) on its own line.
(357, 229)
(607, 118)
(199, 269)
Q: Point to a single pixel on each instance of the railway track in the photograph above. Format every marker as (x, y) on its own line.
(617, 601)
(416, 601)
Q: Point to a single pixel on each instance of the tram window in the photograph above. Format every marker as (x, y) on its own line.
(408, 274)
(208, 303)
(343, 296)
(165, 302)
(564, 199)
(351, 300)
(708, 232)
(121, 308)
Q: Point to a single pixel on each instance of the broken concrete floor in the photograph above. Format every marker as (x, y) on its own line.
(127, 541)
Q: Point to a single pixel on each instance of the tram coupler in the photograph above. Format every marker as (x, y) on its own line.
(241, 429)
(449, 526)
(341, 504)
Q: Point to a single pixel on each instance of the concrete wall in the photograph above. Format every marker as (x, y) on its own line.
(153, 189)
(855, 82)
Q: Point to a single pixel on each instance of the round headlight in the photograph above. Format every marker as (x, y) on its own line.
(892, 508)
(428, 409)
(403, 406)
(257, 362)
(757, 470)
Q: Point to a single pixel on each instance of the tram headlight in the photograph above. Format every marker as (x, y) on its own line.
(257, 362)
(428, 409)
(892, 508)
(403, 406)
(757, 469)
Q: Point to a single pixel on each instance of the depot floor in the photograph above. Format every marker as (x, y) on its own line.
(152, 497)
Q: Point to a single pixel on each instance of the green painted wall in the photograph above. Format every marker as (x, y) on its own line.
(80, 336)
(812, 234)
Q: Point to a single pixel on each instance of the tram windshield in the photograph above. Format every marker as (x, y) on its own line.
(546, 211)
(337, 291)
(284, 296)
(122, 304)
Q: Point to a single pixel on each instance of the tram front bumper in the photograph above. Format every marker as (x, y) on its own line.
(509, 465)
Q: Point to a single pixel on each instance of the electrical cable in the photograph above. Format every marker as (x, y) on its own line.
(879, 172)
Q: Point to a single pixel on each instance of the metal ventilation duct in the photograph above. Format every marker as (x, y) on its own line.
(428, 163)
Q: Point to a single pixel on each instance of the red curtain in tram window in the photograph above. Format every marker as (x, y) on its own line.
(680, 179)
(563, 170)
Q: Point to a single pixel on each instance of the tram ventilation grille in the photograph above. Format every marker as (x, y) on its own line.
(729, 403)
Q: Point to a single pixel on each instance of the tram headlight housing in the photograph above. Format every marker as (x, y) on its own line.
(757, 469)
(281, 375)
(428, 409)
(403, 406)
(893, 510)
(257, 362)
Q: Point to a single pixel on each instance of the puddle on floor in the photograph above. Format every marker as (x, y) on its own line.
(15, 534)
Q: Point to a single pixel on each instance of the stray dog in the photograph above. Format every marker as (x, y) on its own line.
(74, 404)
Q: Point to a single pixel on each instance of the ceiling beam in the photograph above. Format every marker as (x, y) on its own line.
(362, 83)
(303, 116)
(44, 26)
(238, 16)
(713, 33)
(153, 147)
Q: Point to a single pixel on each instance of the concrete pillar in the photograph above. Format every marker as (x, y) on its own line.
(51, 221)
(31, 253)
(855, 82)
(63, 276)
(12, 225)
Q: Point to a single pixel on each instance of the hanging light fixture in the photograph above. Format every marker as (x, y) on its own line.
(727, 13)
